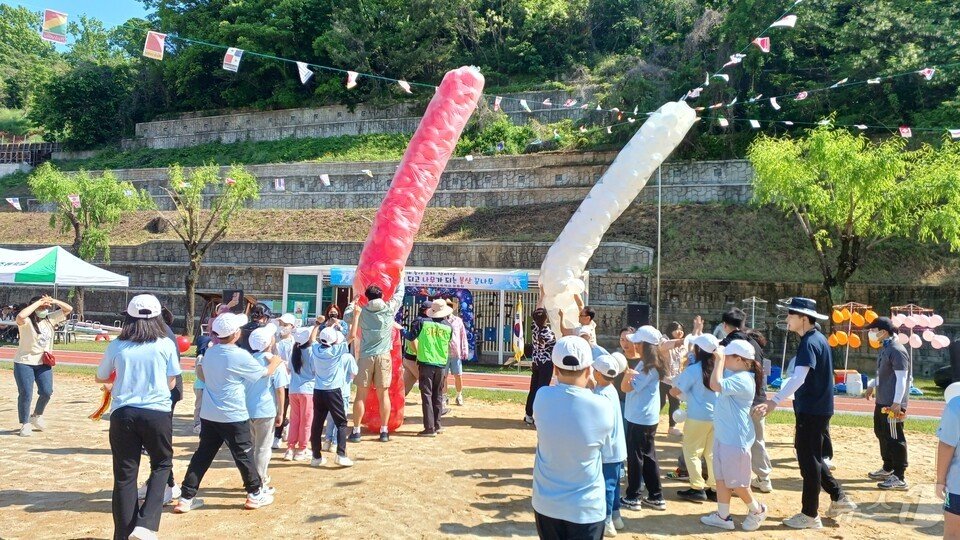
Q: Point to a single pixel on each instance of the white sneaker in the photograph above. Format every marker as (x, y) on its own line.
(893, 483)
(258, 500)
(326, 446)
(762, 485)
(843, 506)
(528, 420)
(674, 432)
(880, 474)
(753, 521)
(829, 463)
(459, 399)
(171, 493)
(302, 455)
(343, 461)
(318, 462)
(276, 443)
(288, 455)
(26, 430)
(185, 505)
(608, 529)
(142, 533)
(714, 520)
(38, 422)
(803, 521)
(269, 490)
(618, 521)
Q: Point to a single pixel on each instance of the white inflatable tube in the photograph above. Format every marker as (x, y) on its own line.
(560, 274)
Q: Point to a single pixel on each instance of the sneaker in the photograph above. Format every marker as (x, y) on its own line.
(893, 484)
(285, 432)
(459, 400)
(880, 474)
(276, 443)
(618, 521)
(445, 411)
(693, 495)
(142, 491)
(678, 474)
(196, 428)
(269, 490)
(656, 504)
(608, 529)
(633, 504)
(185, 505)
(258, 500)
(843, 506)
(528, 420)
(384, 436)
(427, 433)
(343, 461)
(753, 521)
(171, 493)
(714, 520)
(354, 437)
(674, 432)
(438, 430)
(327, 445)
(288, 455)
(803, 521)
(762, 485)
(142, 533)
(318, 462)
(38, 422)
(26, 430)
(829, 463)
(302, 455)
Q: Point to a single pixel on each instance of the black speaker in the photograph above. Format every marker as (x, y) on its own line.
(638, 314)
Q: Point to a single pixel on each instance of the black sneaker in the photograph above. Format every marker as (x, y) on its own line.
(656, 504)
(693, 495)
(633, 504)
(384, 436)
(711, 495)
(354, 437)
(427, 433)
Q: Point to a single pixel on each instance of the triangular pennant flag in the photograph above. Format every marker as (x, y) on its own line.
(548, 103)
(556, 135)
(699, 108)
(54, 28)
(841, 81)
(787, 122)
(755, 124)
(128, 192)
(367, 172)
(755, 98)
(598, 107)
(325, 178)
(706, 81)
(524, 106)
(631, 120)
(74, 200)
(695, 93)
(861, 127)
(905, 132)
(723, 122)
(774, 104)
(569, 103)
(927, 73)
(229, 181)
(583, 129)
(824, 122)
(609, 129)
(279, 184)
(723, 76)
(619, 116)
(873, 81)
(763, 43)
(954, 133)
(231, 59)
(406, 86)
(636, 109)
(14, 202)
(154, 44)
(787, 22)
(716, 105)
(468, 157)
(351, 79)
(496, 103)
(734, 59)
(732, 103)
(304, 71)
(801, 96)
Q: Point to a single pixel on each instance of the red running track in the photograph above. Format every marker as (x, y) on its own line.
(496, 381)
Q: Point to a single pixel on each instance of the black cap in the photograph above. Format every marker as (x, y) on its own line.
(882, 323)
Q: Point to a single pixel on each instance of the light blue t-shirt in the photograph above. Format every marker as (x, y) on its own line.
(303, 382)
(226, 370)
(328, 365)
(262, 393)
(700, 399)
(350, 370)
(142, 371)
(949, 433)
(572, 425)
(615, 447)
(642, 405)
(285, 350)
(732, 425)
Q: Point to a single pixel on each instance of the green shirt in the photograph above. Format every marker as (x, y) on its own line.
(433, 341)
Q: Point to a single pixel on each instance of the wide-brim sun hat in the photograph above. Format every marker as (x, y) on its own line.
(804, 306)
(439, 309)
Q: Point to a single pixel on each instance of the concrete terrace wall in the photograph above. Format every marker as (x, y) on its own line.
(328, 121)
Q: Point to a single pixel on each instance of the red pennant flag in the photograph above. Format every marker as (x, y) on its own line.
(763, 43)
(801, 96)
(153, 46)
(927, 73)
(569, 103)
(496, 103)
(905, 132)
(74, 200)
(351, 79)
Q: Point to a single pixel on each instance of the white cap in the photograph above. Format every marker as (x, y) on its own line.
(706, 342)
(572, 353)
(144, 306)
(329, 336)
(261, 338)
(646, 334)
(610, 365)
(302, 335)
(741, 348)
(227, 324)
(288, 318)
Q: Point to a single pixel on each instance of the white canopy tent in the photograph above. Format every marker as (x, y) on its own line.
(54, 266)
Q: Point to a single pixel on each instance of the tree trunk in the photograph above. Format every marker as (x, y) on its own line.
(78, 302)
(191, 286)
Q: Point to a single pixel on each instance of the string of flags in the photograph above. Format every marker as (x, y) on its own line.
(904, 131)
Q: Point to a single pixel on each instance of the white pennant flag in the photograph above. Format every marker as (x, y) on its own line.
(841, 81)
(706, 82)
(787, 22)
(801, 96)
(496, 103)
(873, 81)
(231, 60)
(74, 200)
(723, 76)
(598, 107)
(523, 104)
(631, 120)
(716, 105)
(905, 132)
(774, 104)
(468, 157)
(304, 71)
(325, 178)
(548, 103)
(861, 127)
(351, 79)
(927, 73)
(755, 124)
(954, 133)
(755, 98)
(734, 59)
(698, 109)
(14, 202)
(279, 184)
(636, 109)
(763, 43)
(367, 172)
(609, 129)
(406, 86)
(824, 122)
(732, 103)
(583, 129)
(787, 122)
(723, 122)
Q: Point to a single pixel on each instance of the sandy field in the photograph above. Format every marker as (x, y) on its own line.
(472, 481)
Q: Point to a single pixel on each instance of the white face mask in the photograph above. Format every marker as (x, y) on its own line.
(42, 313)
(284, 331)
(872, 335)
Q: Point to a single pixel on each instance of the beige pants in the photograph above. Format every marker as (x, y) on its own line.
(698, 443)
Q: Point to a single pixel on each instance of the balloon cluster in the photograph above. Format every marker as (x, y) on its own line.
(854, 318)
(919, 325)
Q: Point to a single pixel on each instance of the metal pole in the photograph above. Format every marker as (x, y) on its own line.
(500, 330)
(659, 219)
(783, 359)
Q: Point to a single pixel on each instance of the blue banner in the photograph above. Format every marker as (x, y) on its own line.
(512, 280)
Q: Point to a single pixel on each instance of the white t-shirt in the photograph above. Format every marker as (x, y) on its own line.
(32, 344)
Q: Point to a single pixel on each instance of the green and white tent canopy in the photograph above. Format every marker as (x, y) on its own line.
(54, 266)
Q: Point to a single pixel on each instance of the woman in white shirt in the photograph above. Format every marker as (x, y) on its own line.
(36, 323)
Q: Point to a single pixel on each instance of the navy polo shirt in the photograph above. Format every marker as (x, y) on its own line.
(815, 396)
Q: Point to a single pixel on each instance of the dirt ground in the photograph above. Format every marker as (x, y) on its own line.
(472, 481)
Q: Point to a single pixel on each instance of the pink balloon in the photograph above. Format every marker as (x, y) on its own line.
(903, 339)
(943, 340)
(935, 320)
(936, 344)
(915, 341)
(910, 321)
(897, 320)
(929, 335)
(924, 320)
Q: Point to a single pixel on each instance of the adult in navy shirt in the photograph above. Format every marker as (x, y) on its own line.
(812, 387)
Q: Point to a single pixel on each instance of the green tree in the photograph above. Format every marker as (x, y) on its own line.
(25, 59)
(103, 199)
(849, 195)
(205, 205)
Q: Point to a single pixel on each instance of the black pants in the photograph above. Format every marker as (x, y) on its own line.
(549, 528)
(176, 395)
(286, 408)
(827, 445)
(431, 395)
(642, 460)
(212, 436)
(893, 450)
(674, 402)
(808, 441)
(538, 379)
(131, 429)
(328, 401)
